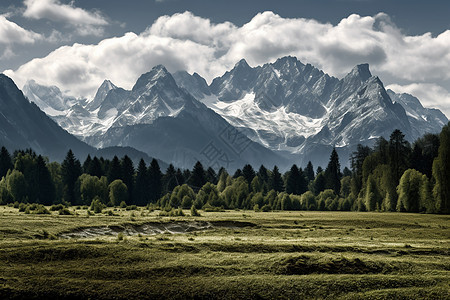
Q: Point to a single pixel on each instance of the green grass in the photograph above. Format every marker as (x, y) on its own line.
(288, 255)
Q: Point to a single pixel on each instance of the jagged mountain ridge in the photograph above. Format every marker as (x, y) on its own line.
(291, 108)
(295, 108)
(24, 125)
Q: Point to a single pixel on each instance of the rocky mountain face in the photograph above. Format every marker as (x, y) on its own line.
(282, 113)
(300, 111)
(23, 125)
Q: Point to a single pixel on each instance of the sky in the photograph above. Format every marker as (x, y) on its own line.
(77, 44)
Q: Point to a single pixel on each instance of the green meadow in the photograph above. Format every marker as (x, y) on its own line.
(223, 255)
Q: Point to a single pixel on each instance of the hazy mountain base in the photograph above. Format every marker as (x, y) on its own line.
(286, 255)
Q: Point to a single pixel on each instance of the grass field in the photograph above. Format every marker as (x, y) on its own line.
(288, 255)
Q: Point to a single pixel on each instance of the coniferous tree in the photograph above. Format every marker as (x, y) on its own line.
(346, 172)
(170, 180)
(356, 162)
(276, 181)
(333, 173)
(293, 180)
(5, 162)
(186, 175)
(248, 173)
(263, 174)
(309, 171)
(127, 170)
(441, 172)
(87, 164)
(95, 168)
(115, 170)
(319, 183)
(237, 174)
(70, 171)
(142, 191)
(198, 177)
(180, 177)
(44, 185)
(211, 176)
(155, 181)
(319, 170)
(399, 151)
(425, 150)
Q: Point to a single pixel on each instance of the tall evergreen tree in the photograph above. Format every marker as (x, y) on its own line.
(333, 173)
(248, 173)
(155, 181)
(356, 162)
(170, 180)
(71, 170)
(293, 180)
(276, 181)
(309, 171)
(263, 175)
(45, 188)
(141, 193)
(87, 164)
(211, 176)
(95, 168)
(425, 150)
(5, 162)
(127, 169)
(399, 151)
(198, 177)
(115, 170)
(441, 172)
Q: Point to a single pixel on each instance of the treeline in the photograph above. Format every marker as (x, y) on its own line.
(391, 176)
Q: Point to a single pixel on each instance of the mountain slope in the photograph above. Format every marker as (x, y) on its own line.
(165, 121)
(24, 125)
(295, 108)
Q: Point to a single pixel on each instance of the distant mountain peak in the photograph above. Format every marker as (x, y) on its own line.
(360, 71)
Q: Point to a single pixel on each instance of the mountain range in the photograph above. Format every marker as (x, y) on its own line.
(279, 113)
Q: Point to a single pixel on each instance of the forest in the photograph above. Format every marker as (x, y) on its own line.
(393, 175)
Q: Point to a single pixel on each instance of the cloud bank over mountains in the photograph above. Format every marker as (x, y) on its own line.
(416, 64)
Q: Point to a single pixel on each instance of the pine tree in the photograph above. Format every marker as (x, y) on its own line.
(248, 173)
(115, 170)
(211, 176)
(198, 177)
(356, 161)
(155, 181)
(127, 170)
(293, 180)
(441, 172)
(141, 194)
(170, 180)
(87, 164)
(237, 174)
(399, 151)
(319, 183)
(276, 181)
(5, 162)
(44, 185)
(263, 175)
(333, 173)
(95, 168)
(309, 171)
(71, 170)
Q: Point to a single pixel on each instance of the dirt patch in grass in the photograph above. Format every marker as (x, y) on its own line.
(151, 228)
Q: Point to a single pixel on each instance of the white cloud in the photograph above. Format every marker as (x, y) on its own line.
(430, 95)
(85, 22)
(186, 41)
(11, 33)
